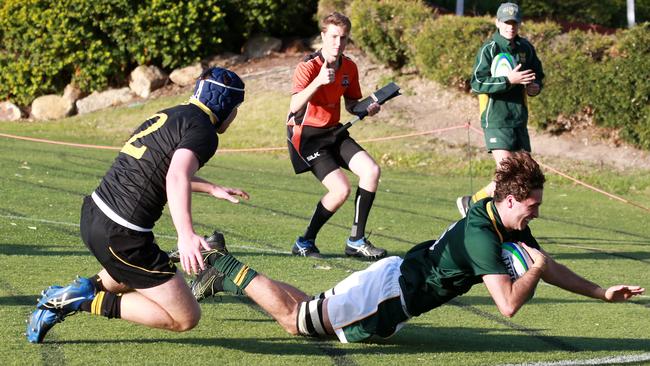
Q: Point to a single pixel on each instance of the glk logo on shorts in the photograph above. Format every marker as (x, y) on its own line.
(313, 156)
(493, 140)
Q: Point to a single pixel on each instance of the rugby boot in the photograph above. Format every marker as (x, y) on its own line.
(208, 283)
(463, 203)
(364, 249)
(67, 300)
(216, 241)
(40, 322)
(305, 248)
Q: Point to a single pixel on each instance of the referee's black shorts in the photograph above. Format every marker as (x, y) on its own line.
(130, 257)
(324, 151)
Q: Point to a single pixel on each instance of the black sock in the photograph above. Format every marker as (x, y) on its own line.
(97, 282)
(105, 304)
(362, 204)
(318, 219)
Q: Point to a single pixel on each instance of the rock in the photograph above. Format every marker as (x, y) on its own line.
(72, 93)
(51, 106)
(9, 112)
(315, 42)
(186, 75)
(100, 100)
(261, 46)
(226, 60)
(145, 79)
(296, 46)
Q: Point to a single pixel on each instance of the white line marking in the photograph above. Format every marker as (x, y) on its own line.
(594, 361)
(259, 249)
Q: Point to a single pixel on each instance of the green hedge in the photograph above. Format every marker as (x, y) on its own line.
(445, 48)
(607, 13)
(48, 44)
(590, 77)
(387, 28)
(95, 44)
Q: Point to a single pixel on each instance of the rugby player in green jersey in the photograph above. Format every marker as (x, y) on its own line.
(380, 299)
(157, 165)
(503, 99)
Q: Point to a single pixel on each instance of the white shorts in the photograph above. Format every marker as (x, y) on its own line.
(358, 297)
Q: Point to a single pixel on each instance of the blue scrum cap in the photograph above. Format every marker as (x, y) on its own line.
(221, 90)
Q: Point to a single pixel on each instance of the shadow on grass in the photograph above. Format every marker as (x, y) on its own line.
(41, 250)
(413, 339)
(595, 227)
(636, 256)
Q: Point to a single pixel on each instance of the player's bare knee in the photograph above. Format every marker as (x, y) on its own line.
(187, 320)
(187, 323)
(340, 194)
(374, 172)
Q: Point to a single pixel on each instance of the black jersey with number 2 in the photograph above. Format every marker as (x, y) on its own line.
(134, 186)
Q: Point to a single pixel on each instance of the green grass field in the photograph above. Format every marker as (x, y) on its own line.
(43, 185)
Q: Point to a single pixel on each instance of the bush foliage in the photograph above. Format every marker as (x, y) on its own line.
(607, 13)
(48, 44)
(590, 77)
(445, 49)
(386, 28)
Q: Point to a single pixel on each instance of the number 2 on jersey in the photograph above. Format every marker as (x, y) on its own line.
(138, 151)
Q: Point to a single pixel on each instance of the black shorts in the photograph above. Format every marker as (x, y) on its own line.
(130, 257)
(321, 151)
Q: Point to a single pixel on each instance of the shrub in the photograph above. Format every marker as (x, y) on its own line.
(386, 28)
(273, 17)
(326, 7)
(608, 13)
(622, 99)
(571, 64)
(94, 44)
(171, 33)
(446, 48)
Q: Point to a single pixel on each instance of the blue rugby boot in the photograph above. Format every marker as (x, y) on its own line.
(364, 249)
(305, 248)
(39, 323)
(67, 300)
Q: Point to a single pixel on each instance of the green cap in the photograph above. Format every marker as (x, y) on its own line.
(508, 11)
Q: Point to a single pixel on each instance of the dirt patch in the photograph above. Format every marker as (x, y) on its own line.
(426, 106)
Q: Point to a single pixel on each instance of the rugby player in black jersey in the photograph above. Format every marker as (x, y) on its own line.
(157, 165)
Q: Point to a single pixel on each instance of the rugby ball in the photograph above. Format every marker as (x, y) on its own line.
(502, 64)
(516, 259)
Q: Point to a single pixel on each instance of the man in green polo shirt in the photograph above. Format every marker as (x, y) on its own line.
(381, 298)
(503, 102)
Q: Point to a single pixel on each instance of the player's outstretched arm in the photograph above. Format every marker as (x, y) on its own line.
(225, 193)
(620, 293)
(559, 275)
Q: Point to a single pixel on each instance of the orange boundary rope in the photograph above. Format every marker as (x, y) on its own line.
(576, 180)
(264, 149)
